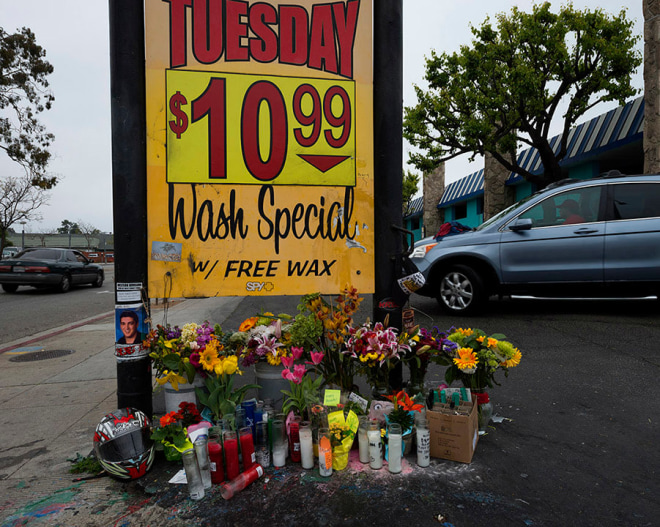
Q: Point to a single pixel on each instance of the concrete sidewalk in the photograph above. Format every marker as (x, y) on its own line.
(51, 407)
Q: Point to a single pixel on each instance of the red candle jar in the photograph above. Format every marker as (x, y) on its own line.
(247, 447)
(217, 466)
(294, 439)
(231, 454)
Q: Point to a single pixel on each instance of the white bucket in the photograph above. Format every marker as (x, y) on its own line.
(270, 379)
(173, 398)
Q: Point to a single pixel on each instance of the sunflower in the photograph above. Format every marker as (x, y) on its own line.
(209, 358)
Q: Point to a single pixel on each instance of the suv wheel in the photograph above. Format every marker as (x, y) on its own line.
(461, 291)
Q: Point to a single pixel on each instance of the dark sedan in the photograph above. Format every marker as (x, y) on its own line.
(49, 267)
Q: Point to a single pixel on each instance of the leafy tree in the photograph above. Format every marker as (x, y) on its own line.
(410, 186)
(23, 95)
(69, 226)
(515, 79)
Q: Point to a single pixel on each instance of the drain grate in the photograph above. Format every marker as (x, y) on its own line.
(40, 355)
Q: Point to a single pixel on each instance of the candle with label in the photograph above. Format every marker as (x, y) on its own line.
(217, 464)
(247, 447)
(375, 445)
(294, 439)
(423, 443)
(325, 452)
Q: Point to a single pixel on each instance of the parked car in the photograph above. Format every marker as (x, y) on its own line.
(587, 238)
(49, 267)
(10, 251)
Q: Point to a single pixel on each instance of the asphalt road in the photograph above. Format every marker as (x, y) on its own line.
(29, 311)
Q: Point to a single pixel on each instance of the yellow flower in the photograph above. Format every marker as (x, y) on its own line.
(465, 332)
(173, 378)
(230, 364)
(169, 343)
(218, 369)
(209, 358)
(513, 361)
(467, 359)
(273, 360)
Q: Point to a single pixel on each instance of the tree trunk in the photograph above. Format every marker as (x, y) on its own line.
(651, 86)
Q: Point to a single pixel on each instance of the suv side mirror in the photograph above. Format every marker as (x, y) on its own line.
(523, 224)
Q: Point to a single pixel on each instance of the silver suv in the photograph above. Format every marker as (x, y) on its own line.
(589, 238)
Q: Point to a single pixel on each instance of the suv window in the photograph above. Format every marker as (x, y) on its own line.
(566, 208)
(636, 200)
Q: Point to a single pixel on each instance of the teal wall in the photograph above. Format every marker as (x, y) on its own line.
(409, 223)
(472, 219)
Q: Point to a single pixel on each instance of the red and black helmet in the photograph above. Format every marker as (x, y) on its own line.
(123, 444)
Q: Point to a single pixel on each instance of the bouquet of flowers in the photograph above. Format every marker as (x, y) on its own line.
(264, 338)
(376, 349)
(218, 366)
(403, 412)
(323, 326)
(426, 346)
(343, 427)
(173, 426)
(476, 357)
(175, 352)
(304, 390)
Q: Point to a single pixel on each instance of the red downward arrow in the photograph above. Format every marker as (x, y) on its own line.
(323, 163)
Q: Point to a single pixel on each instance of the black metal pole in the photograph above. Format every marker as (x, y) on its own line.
(129, 183)
(388, 160)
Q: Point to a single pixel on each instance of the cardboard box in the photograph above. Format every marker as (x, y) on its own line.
(454, 437)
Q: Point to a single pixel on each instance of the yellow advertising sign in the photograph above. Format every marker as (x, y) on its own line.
(260, 150)
(280, 130)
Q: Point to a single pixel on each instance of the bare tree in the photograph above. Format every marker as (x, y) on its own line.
(88, 231)
(19, 201)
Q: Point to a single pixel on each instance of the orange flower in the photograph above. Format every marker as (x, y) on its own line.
(248, 323)
(403, 400)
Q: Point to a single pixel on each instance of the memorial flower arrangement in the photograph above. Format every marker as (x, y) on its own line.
(265, 338)
(375, 350)
(426, 346)
(304, 388)
(476, 357)
(175, 352)
(404, 410)
(173, 426)
(219, 365)
(323, 326)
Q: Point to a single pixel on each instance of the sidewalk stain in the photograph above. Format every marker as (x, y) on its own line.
(43, 508)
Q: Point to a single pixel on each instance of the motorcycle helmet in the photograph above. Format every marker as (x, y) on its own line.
(123, 444)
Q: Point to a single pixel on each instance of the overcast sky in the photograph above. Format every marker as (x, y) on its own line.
(75, 36)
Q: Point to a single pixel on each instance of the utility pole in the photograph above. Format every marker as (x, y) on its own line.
(129, 185)
(388, 162)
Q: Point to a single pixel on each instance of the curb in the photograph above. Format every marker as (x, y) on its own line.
(54, 332)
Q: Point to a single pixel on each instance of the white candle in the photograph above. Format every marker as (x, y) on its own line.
(375, 449)
(394, 453)
(306, 448)
(423, 447)
(279, 454)
(364, 445)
